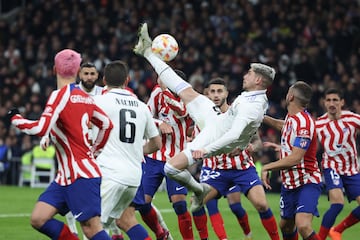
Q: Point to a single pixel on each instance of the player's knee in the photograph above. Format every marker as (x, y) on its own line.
(170, 171)
(37, 222)
(180, 207)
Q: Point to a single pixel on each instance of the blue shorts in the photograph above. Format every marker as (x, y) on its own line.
(153, 177)
(351, 184)
(139, 198)
(82, 198)
(302, 199)
(222, 180)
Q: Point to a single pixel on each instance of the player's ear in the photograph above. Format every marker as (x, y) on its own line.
(127, 80)
(54, 70)
(104, 81)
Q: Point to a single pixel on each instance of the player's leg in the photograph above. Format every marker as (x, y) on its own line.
(234, 201)
(288, 229)
(115, 231)
(200, 220)
(216, 219)
(334, 186)
(149, 185)
(161, 220)
(51, 202)
(352, 190)
(177, 195)
(130, 225)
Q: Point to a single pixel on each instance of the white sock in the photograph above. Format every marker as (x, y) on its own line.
(71, 222)
(166, 73)
(183, 177)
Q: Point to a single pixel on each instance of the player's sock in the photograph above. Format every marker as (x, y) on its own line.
(184, 220)
(313, 236)
(148, 214)
(102, 235)
(269, 223)
(183, 177)
(216, 219)
(200, 220)
(291, 236)
(55, 229)
(138, 232)
(168, 76)
(160, 218)
(71, 222)
(329, 219)
(241, 216)
(354, 217)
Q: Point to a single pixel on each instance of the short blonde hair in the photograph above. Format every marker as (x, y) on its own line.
(264, 70)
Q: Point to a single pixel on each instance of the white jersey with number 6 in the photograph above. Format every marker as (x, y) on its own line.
(121, 157)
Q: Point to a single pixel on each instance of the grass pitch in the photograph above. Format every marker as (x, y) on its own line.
(16, 204)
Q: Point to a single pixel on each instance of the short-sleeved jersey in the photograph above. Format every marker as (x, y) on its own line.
(338, 139)
(66, 118)
(299, 131)
(122, 155)
(224, 132)
(164, 106)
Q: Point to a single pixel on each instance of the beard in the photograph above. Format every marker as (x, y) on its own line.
(88, 85)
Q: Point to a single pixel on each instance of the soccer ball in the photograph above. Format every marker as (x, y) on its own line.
(165, 47)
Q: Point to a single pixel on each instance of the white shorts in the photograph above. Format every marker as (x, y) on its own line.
(115, 198)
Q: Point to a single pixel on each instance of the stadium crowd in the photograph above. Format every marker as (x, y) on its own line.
(314, 41)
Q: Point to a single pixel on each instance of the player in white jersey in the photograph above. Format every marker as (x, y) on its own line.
(120, 160)
(219, 133)
(337, 130)
(300, 174)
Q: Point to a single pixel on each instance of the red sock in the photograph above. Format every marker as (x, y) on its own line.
(323, 232)
(346, 223)
(271, 227)
(67, 234)
(217, 223)
(201, 225)
(185, 226)
(244, 223)
(151, 220)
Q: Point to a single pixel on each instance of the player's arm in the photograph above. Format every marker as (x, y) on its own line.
(104, 124)
(177, 106)
(273, 122)
(48, 118)
(152, 145)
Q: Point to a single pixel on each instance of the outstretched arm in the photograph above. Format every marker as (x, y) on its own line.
(273, 122)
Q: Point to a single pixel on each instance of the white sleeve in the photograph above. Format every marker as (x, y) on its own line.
(151, 130)
(245, 115)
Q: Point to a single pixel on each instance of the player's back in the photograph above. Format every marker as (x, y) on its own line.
(122, 155)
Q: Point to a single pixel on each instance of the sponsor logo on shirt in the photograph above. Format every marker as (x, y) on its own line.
(81, 99)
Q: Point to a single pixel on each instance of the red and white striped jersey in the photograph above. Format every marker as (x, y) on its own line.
(223, 161)
(338, 139)
(300, 129)
(66, 118)
(165, 107)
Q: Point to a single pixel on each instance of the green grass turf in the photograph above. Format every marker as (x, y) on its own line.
(16, 205)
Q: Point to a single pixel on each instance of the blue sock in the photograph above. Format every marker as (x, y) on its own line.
(356, 212)
(137, 232)
(180, 207)
(212, 207)
(52, 228)
(200, 212)
(331, 214)
(289, 235)
(145, 209)
(267, 214)
(102, 235)
(238, 210)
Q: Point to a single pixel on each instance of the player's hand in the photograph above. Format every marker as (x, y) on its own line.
(265, 177)
(165, 128)
(235, 152)
(275, 146)
(44, 142)
(12, 112)
(199, 154)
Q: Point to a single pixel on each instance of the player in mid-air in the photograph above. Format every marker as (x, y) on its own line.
(120, 160)
(220, 133)
(300, 173)
(235, 170)
(337, 130)
(76, 187)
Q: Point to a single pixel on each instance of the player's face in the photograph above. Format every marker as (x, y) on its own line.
(333, 103)
(218, 94)
(249, 81)
(88, 77)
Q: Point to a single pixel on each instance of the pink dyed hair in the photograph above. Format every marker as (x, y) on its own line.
(67, 63)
